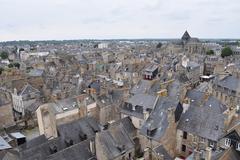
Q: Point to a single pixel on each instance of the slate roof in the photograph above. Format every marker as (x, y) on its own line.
(193, 40)
(117, 95)
(115, 141)
(28, 89)
(3, 144)
(9, 155)
(34, 142)
(127, 124)
(158, 119)
(78, 130)
(141, 87)
(17, 135)
(203, 118)
(151, 68)
(68, 103)
(145, 100)
(141, 102)
(230, 82)
(183, 78)
(41, 149)
(186, 36)
(162, 151)
(192, 65)
(229, 154)
(33, 107)
(80, 151)
(104, 100)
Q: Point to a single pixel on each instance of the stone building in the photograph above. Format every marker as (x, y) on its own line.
(138, 108)
(202, 123)
(51, 115)
(25, 100)
(6, 114)
(150, 72)
(115, 143)
(226, 88)
(192, 45)
(160, 126)
(75, 140)
(107, 109)
(209, 64)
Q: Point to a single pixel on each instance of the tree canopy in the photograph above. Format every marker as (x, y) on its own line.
(227, 51)
(17, 65)
(210, 52)
(10, 65)
(4, 55)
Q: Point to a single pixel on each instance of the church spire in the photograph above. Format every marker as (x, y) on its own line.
(186, 36)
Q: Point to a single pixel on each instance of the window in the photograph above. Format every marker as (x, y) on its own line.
(184, 135)
(227, 142)
(202, 140)
(183, 148)
(238, 146)
(195, 138)
(129, 156)
(211, 144)
(140, 123)
(216, 94)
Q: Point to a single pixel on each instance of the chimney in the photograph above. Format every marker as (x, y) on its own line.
(161, 156)
(15, 91)
(171, 116)
(230, 113)
(196, 155)
(208, 153)
(206, 95)
(92, 147)
(145, 114)
(186, 104)
(133, 108)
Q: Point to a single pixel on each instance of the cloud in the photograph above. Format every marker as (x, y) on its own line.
(76, 19)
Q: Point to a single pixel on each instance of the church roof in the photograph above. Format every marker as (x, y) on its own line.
(186, 36)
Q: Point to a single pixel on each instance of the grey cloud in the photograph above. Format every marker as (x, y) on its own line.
(61, 19)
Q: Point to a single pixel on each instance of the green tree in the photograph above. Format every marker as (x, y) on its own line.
(4, 55)
(17, 65)
(159, 45)
(21, 49)
(227, 51)
(210, 52)
(10, 65)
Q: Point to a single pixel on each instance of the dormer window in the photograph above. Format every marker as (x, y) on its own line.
(238, 146)
(184, 135)
(211, 144)
(227, 142)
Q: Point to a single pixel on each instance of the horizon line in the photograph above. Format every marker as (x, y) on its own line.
(108, 39)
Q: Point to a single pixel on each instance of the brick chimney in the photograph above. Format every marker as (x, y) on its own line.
(186, 104)
(206, 96)
(196, 155)
(171, 116)
(146, 114)
(230, 113)
(161, 156)
(208, 153)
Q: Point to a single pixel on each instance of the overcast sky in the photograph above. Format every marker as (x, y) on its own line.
(106, 19)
